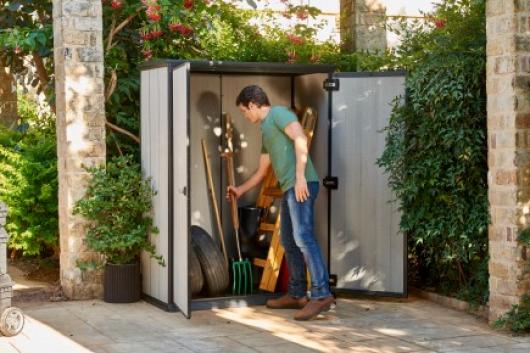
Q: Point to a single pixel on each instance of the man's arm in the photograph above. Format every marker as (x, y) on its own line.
(296, 133)
(255, 179)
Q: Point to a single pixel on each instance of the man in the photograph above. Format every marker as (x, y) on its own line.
(284, 144)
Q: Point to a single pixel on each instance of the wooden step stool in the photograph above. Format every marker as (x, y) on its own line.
(268, 194)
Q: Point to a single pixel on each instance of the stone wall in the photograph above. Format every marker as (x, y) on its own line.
(78, 54)
(363, 25)
(508, 78)
(8, 98)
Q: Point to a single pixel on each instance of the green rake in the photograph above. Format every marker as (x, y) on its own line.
(242, 268)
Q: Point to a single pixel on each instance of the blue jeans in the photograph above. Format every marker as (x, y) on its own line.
(301, 247)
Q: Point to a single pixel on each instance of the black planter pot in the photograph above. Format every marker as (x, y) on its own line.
(122, 283)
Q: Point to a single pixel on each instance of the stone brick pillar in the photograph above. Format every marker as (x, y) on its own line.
(362, 25)
(508, 77)
(8, 98)
(78, 54)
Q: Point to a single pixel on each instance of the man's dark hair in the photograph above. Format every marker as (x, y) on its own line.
(252, 94)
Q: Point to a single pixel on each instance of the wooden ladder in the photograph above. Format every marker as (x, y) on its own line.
(268, 194)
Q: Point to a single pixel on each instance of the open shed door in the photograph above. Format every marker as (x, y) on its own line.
(179, 220)
(367, 251)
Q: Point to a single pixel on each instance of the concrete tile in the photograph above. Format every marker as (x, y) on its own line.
(383, 345)
(285, 348)
(6, 347)
(214, 344)
(444, 345)
(257, 339)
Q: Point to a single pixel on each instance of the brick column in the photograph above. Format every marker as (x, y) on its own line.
(508, 76)
(362, 25)
(8, 98)
(78, 54)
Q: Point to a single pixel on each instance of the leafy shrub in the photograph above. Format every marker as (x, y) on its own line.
(118, 204)
(517, 318)
(436, 150)
(28, 181)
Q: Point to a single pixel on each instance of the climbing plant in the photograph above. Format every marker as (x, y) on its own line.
(436, 149)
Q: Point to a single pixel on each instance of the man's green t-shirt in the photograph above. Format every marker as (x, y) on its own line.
(281, 148)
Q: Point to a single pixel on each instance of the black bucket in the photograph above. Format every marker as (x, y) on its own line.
(249, 220)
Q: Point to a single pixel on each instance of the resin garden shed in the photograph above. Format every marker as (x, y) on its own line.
(357, 226)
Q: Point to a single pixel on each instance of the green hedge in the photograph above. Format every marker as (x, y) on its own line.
(28, 182)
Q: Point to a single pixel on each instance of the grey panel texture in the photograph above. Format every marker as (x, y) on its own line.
(310, 93)
(367, 249)
(205, 120)
(154, 154)
(146, 164)
(180, 187)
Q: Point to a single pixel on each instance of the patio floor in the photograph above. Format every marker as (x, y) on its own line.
(355, 325)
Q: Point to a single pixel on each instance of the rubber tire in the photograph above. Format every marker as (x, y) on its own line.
(212, 262)
(196, 277)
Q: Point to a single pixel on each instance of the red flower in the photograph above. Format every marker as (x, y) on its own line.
(181, 28)
(148, 3)
(153, 16)
(296, 40)
(156, 33)
(173, 27)
(148, 54)
(302, 15)
(439, 23)
(188, 4)
(153, 8)
(116, 4)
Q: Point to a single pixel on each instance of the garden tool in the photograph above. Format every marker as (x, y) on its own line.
(241, 268)
(213, 196)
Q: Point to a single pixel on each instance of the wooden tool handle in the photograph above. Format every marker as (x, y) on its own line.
(211, 189)
(231, 182)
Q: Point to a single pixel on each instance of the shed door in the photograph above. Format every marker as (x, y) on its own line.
(180, 188)
(367, 251)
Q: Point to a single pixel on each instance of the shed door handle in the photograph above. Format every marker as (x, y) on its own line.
(184, 191)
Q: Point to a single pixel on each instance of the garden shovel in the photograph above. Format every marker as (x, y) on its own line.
(242, 268)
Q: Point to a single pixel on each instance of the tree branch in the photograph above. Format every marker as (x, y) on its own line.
(112, 85)
(41, 70)
(122, 131)
(114, 30)
(111, 32)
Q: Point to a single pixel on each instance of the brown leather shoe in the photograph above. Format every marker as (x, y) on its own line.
(287, 302)
(314, 307)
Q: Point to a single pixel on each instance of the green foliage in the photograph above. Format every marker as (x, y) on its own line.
(517, 318)
(118, 204)
(26, 29)
(436, 150)
(28, 181)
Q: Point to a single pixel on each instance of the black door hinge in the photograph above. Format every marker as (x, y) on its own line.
(331, 182)
(332, 280)
(331, 84)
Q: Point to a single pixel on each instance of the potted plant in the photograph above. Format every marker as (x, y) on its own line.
(118, 203)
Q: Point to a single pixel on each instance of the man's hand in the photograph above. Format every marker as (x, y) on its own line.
(233, 190)
(301, 190)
